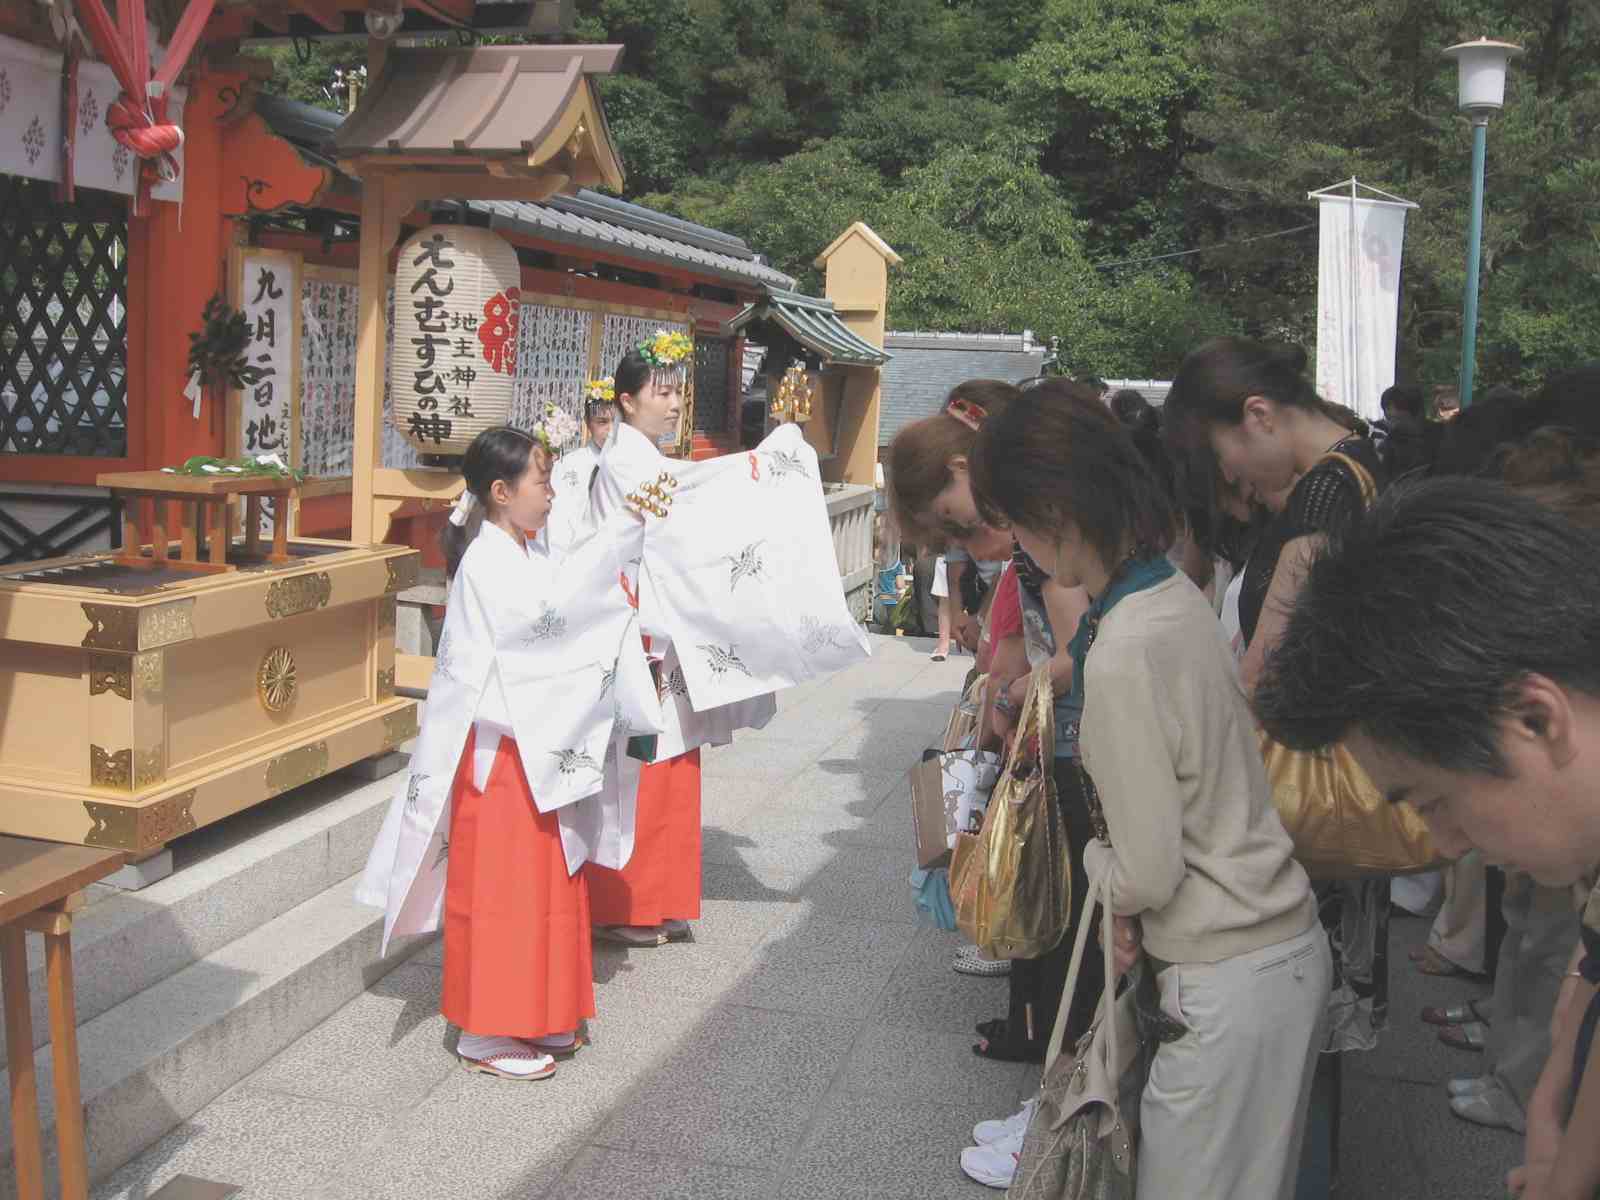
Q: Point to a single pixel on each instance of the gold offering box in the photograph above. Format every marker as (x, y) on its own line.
(140, 702)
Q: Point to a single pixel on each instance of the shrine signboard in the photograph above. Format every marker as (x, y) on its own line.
(267, 291)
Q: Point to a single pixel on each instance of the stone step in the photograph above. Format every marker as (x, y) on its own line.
(156, 1059)
(230, 878)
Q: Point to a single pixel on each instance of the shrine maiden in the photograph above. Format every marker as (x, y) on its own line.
(575, 470)
(500, 810)
(739, 595)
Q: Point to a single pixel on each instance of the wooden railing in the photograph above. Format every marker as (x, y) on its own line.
(850, 512)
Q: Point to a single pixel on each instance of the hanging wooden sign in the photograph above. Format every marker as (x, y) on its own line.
(456, 313)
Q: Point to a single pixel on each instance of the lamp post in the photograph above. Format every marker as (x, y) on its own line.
(1481, 90)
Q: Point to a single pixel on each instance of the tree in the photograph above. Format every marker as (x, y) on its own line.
(1306, 93)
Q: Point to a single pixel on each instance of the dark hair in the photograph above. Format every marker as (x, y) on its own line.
(498, 453)
(1215, 379)
(1420, 620)
(1561, 470)
(1056, 454)
(1501, 417)
(918, 466)
(1406, 398)
(633, 372)
(1129, 406)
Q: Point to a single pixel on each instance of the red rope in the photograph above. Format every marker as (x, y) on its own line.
(138, 118)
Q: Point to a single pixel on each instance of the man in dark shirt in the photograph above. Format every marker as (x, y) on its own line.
(1450, 637)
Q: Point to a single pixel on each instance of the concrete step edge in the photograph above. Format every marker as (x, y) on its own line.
(128, 942)
(152, 1062)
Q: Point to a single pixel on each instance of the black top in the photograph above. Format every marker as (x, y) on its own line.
(1326, 496)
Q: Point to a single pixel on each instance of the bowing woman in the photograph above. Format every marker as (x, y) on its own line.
(501, 809)
(1198, 868)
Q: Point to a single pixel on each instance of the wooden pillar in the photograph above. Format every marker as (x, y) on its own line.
(372, 334)
(857, 266)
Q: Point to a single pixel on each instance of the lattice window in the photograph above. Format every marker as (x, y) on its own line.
(63, 322)
(711, 384)
(552, 362)
(621, 334)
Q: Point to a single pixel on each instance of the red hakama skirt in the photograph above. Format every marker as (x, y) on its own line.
(517, 955)
(662, 880)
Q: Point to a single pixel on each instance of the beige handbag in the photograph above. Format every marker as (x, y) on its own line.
(1082, 1140)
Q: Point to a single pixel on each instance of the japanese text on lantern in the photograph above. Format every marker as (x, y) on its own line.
(457, 310)
(269, 290)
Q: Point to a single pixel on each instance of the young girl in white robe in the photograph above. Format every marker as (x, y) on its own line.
(500, 811)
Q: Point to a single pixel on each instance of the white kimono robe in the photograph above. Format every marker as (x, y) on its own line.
(556, 635)
(738, 585)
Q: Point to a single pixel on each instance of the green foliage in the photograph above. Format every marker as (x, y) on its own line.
(217, 350)
(1006, 147)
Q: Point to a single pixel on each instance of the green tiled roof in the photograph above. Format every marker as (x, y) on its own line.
(814, 324)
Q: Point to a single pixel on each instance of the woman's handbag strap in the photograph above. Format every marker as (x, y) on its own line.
(1059, 1030)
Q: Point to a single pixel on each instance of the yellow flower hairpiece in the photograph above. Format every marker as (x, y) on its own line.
(666, 348)
(598, 391)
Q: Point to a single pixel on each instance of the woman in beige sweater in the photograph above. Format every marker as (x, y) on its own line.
(1200, 873)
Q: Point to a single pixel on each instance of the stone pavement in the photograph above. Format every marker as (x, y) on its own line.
(813, 1041)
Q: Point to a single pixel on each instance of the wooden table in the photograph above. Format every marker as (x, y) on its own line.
(203, 507)
(41, 886)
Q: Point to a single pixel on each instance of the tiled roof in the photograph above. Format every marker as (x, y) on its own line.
(587, 220)
(927, 365)
(595, 222)
(814, 324)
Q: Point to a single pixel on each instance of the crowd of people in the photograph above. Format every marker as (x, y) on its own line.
(1192, 572)
(1170, 586)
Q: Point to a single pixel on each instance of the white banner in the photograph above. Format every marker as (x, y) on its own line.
(1358, 299)
(31, 141)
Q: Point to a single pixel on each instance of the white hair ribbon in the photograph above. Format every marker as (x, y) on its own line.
(464, 505)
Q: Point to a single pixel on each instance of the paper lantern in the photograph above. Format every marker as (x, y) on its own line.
(456, 311)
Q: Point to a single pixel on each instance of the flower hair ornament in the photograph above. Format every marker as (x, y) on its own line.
(968, 412)
(556, 429)
(599, 391)
(462, 510)
(666, 350)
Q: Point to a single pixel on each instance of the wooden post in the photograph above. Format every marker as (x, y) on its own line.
(252, 525)
(217, 529)
(371, 336)
(161, 540)
(64, 1054)
(27, 1157)
(857, 281)
(280, 527)
(132, 540)
(188, 512)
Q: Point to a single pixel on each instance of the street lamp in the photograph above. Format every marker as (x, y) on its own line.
(1481, 72)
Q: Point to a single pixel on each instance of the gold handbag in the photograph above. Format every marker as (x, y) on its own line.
(1011, 885)
(1340, 823)
(967, 716)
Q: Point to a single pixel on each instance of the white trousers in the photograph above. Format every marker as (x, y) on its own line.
(1224, 1111)
(1460, 932)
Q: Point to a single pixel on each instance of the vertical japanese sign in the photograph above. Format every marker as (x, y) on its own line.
(268, 289)
(457, 309)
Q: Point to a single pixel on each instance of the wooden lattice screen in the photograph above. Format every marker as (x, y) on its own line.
(711, 384)
(63, 321)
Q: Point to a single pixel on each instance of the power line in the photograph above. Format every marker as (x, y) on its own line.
(1128, 262)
